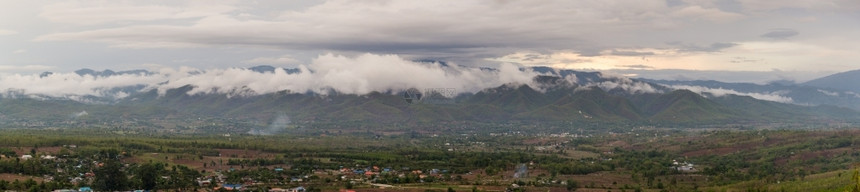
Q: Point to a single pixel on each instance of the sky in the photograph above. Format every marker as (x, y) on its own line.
(728, 40)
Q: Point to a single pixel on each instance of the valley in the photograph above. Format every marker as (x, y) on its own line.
(638, 159)
(430, 96)
(592, 133)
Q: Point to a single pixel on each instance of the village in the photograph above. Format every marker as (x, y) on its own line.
(76, 170)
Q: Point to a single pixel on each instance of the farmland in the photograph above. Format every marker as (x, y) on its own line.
(643, 159)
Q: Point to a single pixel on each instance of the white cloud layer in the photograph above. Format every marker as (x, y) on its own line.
(71, 84)
(625, 84)
(350, 75)
(719, 92)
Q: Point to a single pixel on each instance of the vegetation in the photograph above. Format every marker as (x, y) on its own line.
(769, 160)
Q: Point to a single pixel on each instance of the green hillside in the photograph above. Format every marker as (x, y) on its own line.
(552, 102)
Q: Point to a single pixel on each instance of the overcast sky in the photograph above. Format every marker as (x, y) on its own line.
(729, 40)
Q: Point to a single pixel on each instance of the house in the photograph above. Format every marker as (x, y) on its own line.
(277, 190)
(204, 182)
(683, 167)
(82, 189)
(231, 187)
(686, 168)
(297, 189)
(76, 180)
(26, 157)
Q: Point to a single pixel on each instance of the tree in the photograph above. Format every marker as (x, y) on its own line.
(572, 185)
(148, 173)
(110, 177)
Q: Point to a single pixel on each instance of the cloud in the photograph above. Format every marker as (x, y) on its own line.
(810, 5)
(758, 77)
(102, 12)
(623, 83)
(719, 92)
(745, 60)
(714, 47)
(360, 75)
(710, 14)
(19, 51)
(829, 93)
(349, 75)
(468, 31)
(640, 66)
(7, 32)
(780, 34)
(71, 84)
(285, 59)
(630, 53)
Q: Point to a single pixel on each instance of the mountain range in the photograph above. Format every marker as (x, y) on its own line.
(846, 81)
(835, 90)
(555, 96)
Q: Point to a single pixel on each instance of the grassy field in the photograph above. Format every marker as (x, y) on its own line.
(835, 181)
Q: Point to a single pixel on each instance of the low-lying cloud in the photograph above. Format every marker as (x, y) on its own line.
(71, 84)
(623, 83)
(719, 92)
(325, 74)
(829, 93)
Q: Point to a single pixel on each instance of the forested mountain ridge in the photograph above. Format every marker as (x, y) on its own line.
(556, 96)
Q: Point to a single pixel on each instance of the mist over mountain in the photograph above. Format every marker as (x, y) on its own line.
(798, 94)
(388, 89)
(327, 74)
(549, 95)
